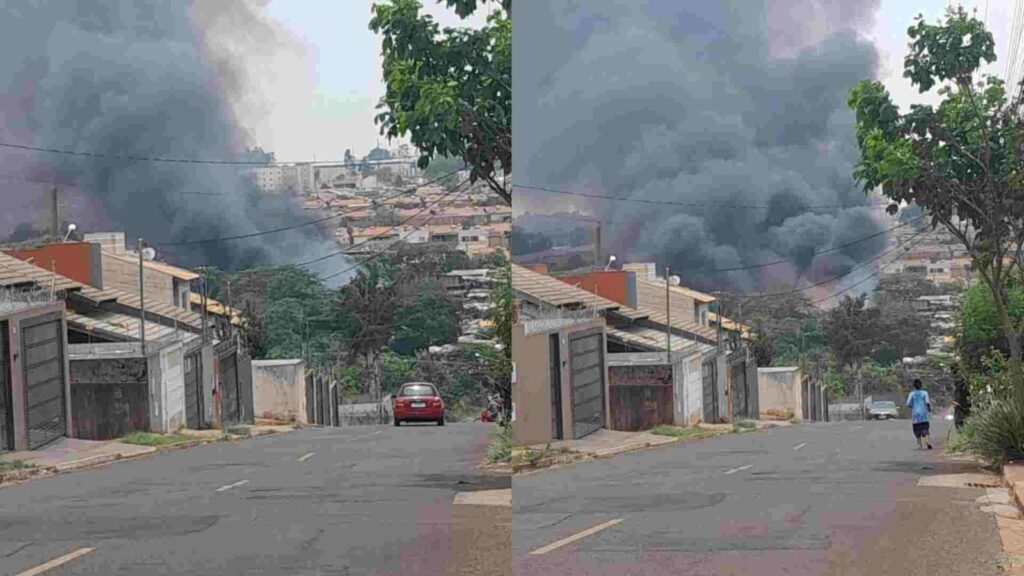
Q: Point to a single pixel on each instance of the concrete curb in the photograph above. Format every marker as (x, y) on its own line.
(86, 462)
(1013, 475)
(12, 476)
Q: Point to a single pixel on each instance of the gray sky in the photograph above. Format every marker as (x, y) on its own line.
(320, 87)
(890, 35)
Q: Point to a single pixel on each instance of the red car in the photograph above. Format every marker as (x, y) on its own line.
(418, 402)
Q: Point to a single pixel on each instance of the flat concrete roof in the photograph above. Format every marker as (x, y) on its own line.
(780, 369)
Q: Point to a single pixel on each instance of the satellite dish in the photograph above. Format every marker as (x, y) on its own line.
(675, 280)
(148, 253)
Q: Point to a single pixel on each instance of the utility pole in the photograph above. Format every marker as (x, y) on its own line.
(668, 315)
(718, 312)
(54, 215)
(205, 319)
(142, 295)
(598, 255)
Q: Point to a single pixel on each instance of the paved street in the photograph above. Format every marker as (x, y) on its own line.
(836, 499)
(360, 500)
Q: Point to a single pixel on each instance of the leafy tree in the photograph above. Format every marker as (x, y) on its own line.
(371, 299)
(431, 319)
(904, 288)
(852, 331)
(503, 315)
(395, 371)
(441, 165)
(524, 242)
(902, 332)
(763, 346)
(449, 90)
(962, 161)
(979, 325)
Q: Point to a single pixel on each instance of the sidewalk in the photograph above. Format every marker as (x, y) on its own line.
(69, 454)
(73, 453)
(606, 442)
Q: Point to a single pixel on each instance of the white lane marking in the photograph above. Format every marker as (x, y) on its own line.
(740, 469)
(575, 537)
(55, 562)
(306, 456)
(799, 446)
(235, 485)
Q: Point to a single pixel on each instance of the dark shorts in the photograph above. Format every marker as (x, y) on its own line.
(920, 429)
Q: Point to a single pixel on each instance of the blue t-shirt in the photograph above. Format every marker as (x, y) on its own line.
(918, 404)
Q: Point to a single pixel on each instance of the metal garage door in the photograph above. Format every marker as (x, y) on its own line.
(229, 389)
(193, 392)
(6, 418)
(42, 346)
(588, 401)
(710, 389)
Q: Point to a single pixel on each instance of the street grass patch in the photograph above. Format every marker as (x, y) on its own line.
(745, 426)
(679, 431)
(153, 439)
(238, 430)
(500, 448)
(10, 465)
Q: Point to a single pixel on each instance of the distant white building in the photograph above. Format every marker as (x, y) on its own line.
(269, 179)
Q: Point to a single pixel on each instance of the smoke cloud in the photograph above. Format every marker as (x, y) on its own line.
(737, 107)
(153, 79)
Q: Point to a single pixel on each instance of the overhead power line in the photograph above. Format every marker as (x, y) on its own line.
(134, 158)
(834, 278)
(368, 259)
(819, 252)
(869, 277)
(304, 224)
(386, 232)
(680, 203)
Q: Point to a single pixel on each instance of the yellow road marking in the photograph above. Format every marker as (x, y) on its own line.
(575, 537)
(42, 568)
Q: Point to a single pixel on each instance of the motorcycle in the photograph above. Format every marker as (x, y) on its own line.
(493, 411)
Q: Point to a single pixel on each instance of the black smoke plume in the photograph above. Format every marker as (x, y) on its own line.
(149, 79)
(735, 106)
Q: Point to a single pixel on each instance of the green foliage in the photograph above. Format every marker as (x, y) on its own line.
(679, 431)
(8, 465)
(430, 320)
(500, 448)
(980, 321)
(523, 242)
(450, 89)
(997, 431)
(960, 162)
(153, 439)
(397, 370)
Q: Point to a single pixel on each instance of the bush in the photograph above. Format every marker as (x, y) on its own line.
(997, 431)
(500, 449)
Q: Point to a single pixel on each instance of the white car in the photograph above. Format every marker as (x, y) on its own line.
(883, 410)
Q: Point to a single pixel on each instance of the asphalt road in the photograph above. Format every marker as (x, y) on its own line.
(360, 500)
(812, 499)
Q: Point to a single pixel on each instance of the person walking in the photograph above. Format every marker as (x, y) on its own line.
(920, 406)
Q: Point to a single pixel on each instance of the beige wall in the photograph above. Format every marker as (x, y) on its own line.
(122, 273)
(531, 393)
(779, 392)
(279, 390)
